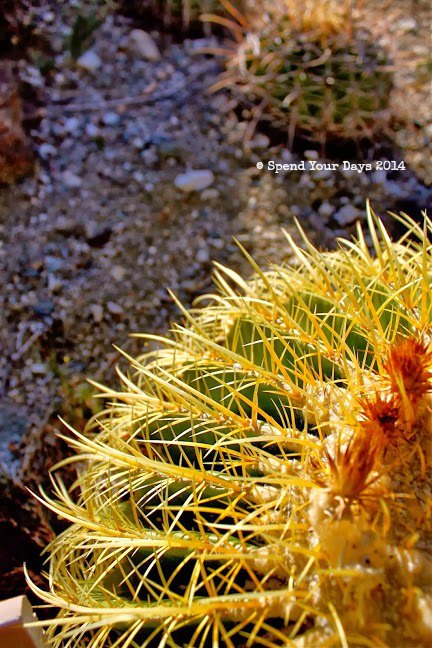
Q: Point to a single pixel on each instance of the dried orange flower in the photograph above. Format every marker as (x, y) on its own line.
(380, 417)
(350, 476)
(410, 363)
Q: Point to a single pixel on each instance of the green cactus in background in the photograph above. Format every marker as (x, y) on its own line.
(262, 477)
(312, 70)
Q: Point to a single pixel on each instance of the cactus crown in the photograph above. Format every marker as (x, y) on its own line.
(262, 477)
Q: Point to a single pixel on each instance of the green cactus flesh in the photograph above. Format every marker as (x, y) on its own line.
(262, 478)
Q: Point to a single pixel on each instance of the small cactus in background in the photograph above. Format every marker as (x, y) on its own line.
(312, 70)
(263, 477)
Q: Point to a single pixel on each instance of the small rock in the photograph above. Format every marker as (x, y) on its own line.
(68, 226)
(92, 130)
(89, 61)
(260, 141)
(286, 156)
(97, 312)
(138, 176)
(71, 180)
(54, 284)
(71, 124)
(48, 17)
(194, 180)
(379, 176)
(138, 143)
(114, 308)
(407, 24)
(325, 209)
(38, 368)
(44, 307)
(111, 118)
(210, 194)
(53, 263)
(347, 215)
(97, 235)
(118, 273)
(46, 151)
(202, 256)
(141, 43)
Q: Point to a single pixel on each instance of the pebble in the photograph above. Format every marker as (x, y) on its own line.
(210, 194)
(46, 151)
(138, 176)
(97, 234)
(138, 143)
(347, 215)
(325, 209)
(92, 130)
(38, 368)
(114, 309)
(260, 142)
(44, 307)
(71, 180)
(97, 312)
(142, 44)
(286, 155)
(202, 256)
(53, 263)
(118, 273)
(379, 176)
(194, 180)
(71, 124)
(110, 118)
(407, 24)
(68, 226)
(89, 61)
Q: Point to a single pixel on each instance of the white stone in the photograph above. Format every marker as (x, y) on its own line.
(46, 150)
(89, 61)
(97, 312)
(260, 141)
(114, 308)
(71, 124)
(142, 43)
(118, 273)
(210, 194)
(379, 176)
(92, 130)
(347, 214)
(111, 118)
(194, 180)
(202, 256)
(407, 24)
(71, 180)
(325, 209)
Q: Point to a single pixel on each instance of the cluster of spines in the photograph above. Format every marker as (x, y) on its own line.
(270, 423)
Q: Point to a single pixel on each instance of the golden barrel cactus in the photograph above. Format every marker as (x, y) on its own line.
(262, 477)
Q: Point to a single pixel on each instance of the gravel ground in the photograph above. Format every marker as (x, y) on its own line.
(90, 243)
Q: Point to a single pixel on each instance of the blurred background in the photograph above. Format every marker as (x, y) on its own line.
(130, 133)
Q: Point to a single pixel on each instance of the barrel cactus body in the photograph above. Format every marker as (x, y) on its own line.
(317, 77)
(263, 477)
